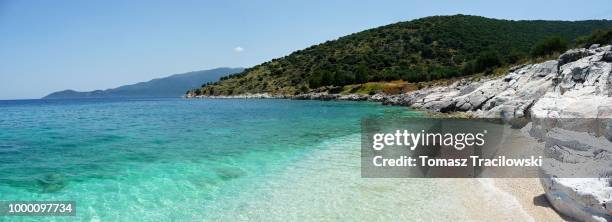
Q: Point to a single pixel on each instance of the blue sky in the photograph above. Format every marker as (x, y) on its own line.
(47, 46)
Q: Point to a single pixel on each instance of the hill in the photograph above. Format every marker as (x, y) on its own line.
(424, 49)
(171, 86)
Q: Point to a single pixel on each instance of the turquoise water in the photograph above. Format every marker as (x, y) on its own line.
(208, 160)
(159, 158)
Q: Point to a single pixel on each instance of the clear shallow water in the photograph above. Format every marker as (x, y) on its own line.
(194, 160)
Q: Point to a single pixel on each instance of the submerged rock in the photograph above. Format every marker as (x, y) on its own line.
(52, 182)
(229, 173)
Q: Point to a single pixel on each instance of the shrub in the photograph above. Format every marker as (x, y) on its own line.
(303, 89)
(602, 37)
(549, 46)
(487, 61)
(314, 81)
(361, 76)
(515, 56)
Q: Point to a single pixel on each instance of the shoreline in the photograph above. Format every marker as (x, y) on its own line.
(542, 99)
(527, 193)
(530, 194)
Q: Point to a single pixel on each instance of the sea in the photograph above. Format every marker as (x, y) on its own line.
(217, 160)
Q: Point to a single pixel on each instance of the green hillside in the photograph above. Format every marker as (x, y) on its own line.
(419, 50)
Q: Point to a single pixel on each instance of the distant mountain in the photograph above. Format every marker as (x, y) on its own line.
(425, 49)
(171, 86)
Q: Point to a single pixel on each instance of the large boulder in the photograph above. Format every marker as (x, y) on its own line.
(569, 104)
(573, 55)
(574, 121)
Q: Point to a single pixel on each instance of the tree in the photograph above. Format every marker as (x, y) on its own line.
(342, 78)
(602, 37)
(326, 78)
(549, 46)
(487, 60)
(361, 76)
(469, 67)
(515, 56)
(314, 81)
(414, 74)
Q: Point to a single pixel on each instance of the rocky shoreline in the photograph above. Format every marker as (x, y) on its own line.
(564, 103)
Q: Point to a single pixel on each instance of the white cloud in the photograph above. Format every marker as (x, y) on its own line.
(238, 49)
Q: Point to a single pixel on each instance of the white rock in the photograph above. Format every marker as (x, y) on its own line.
(569, 101)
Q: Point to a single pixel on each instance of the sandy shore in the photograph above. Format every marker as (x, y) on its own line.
(530, 195)
(528, 192)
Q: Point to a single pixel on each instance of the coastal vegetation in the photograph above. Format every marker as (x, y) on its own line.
(421, 50)
(550, 45)
(602, 37)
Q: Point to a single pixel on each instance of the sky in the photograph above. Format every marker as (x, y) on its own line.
(47, 46)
